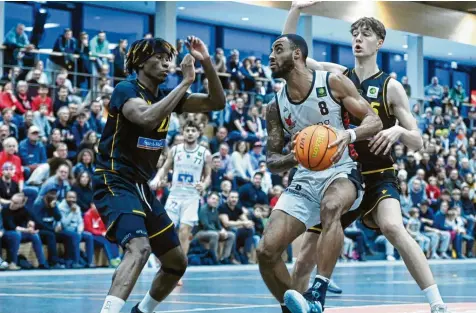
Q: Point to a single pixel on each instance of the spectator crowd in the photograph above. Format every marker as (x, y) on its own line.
(51, 123)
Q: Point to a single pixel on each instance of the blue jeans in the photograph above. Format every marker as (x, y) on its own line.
(37, 246)
(88, 239)
(49, 238)
(71, 241)
(244, 238)
(235, 136)
(12, 240)
(111, 249)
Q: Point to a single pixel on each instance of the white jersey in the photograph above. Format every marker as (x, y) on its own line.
(318, 108)
(188, 169)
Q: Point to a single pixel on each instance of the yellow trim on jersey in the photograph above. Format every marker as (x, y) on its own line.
(377, 171)
(315, 228)
(381, 73)
(107, 230)
(103, 170)
(385, 104)
(108, 187)
(160, 232)
(375, 205)
(113, 140)
(138, 212)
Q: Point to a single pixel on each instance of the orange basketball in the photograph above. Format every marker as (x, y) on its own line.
(311, 147)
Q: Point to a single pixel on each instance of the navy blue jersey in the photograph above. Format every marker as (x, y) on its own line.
(126, 148)
(374, 90)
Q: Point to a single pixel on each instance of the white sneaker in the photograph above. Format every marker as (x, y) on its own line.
(390, 258)
(445, 256)
(439, 308)
(435, 256)
(3, 264)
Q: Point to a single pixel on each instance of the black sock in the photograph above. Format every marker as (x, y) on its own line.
(285, 309)
(320, 285)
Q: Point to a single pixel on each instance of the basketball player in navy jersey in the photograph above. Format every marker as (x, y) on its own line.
(310, 98)
(130, 146)
(380, 208)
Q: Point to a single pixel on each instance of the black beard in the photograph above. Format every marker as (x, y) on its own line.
(284, 70)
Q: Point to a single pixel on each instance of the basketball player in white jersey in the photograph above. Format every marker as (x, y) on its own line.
(191, 165)
(310, 98)
(368, 35)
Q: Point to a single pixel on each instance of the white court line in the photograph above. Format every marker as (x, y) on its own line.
(221, 309)
(224, 268)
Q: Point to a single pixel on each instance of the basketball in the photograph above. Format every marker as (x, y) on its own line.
(311, 147)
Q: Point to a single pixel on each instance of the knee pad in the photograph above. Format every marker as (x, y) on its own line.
(172, 271)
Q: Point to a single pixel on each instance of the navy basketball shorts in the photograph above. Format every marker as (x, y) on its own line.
(131, 210)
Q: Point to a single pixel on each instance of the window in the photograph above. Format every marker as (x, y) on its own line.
(116, 24)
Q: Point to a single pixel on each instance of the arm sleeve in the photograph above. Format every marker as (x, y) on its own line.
(43, 157)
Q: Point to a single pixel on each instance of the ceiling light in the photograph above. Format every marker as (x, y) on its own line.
(245, 19)
(405, 46)
(324, 53)
(450, 53)
(181, 8)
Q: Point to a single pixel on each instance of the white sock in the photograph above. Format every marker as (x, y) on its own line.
(433, 296)
(112, 305)
(148, 304)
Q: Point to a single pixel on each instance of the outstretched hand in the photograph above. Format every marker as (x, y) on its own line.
(302, 4)
(197, 48)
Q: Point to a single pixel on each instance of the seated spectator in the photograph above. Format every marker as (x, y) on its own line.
(90, 141)
(67, 136)
(225, 189)
(80, 128)
(219, 138)
(37, 74)
(10, 147)
(24, 98)
(358, 236)
(72, 222)
(251, 193)
(417, 193)
(58, 182)
(32, 151)
(256, 155)
(241, 163)
(17, 218)
(95, 119)
(94, 225)
(85, 162)
(439, 240)
(217, 174)
(454, 221)
(11, 240)
(7, 114)
(234, 219)
(54, 142)
(433, 192)
(8, 99)
(25, 123)
(224, 157)
(42, 98)
(413, 228)
(238, 124)
(275, 193)
(266, 182)
(84, 191)
(434, 93)
(468, 211)
(211, 230)
(255, 125)
(4, 133)
(61, 100)
(7, 186)
(248, 75)
(40, 120)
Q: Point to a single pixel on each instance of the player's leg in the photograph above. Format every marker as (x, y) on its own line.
(165, 245)
(188, 219)
(280, 231)
(130, 231)
(388, 218)
(305, 262)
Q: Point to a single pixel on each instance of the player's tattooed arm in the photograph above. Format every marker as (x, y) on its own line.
(406, 129)
(276, 161)
(343, 89)
(290, 27)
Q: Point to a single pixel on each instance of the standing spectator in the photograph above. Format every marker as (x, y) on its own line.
(434, 93)
(66, 45)
(72, 222)
(251, 193)
(407, 86)
(16, 39)
(234, 219)
(94, 225)
(241, 163)
(10, 147)
(458, 95)
(99, 47)
(211, 230)
(84, 191)
(16, 218)
(7, 186)
(119, 54)
(32, 151)
(42, 98)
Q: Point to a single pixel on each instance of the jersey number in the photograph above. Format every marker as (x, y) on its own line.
(323, 108)
(375, 106)
(185, 178)
(164, 126)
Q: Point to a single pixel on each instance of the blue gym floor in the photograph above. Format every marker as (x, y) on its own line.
(373, 286)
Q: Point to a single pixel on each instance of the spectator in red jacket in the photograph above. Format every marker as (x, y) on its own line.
(94, 225)
(23, 97)
(42, 98)
(8, 98)
(433, 192)
(10, 147)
